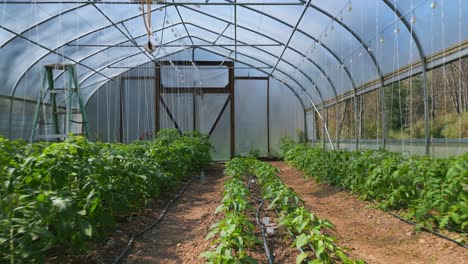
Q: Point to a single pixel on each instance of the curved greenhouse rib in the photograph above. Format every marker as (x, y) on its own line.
(127, 19)
(275, 40)
(200, 27)
(246, 55)
(230, 50)
(72, 40)
(336, 57)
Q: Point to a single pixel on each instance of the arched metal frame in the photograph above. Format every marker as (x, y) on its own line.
(245, 63)
(390, 5)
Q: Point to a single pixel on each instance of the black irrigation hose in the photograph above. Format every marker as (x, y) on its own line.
(428, 230)
(132, 239)
(262, 227)
(423, 228)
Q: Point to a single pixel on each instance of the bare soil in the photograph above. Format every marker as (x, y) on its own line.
(180, 237)
(368, 233)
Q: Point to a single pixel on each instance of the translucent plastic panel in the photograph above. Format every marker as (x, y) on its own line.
(251, 116)
(312, 72)
(147, 69)
(310, 120)
(258, 56)
(22, 119)
(249, 71)
(103, 111)
(139, 106)
(65, 28)
(202, 55)
(180, 106)
(220, 138)
(208, 107)
(286, 115)
(4, 116)
(300, 77)
(259, 37)
(331, 34)
(18, 61)
(194, 16)
(5, 36)
(123, 12)
(394, 49)
(79, 53)
(278, 75)
(111, 55)
(248, 17)
(193, 77)
(440, 27)
(106, 36)
(202, 34)
(20, 17)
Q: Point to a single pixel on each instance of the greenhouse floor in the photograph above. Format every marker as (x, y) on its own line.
(366, 233)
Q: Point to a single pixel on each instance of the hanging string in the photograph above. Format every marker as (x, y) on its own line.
(411, 134)
(446, 83)
(460, 76)
(147, 17)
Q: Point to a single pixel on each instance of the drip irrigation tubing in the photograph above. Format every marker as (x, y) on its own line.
(262, 227)
(428, 230)
(132, 239)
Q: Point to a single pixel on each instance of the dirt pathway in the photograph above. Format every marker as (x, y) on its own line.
(370, 234)
(180, 237)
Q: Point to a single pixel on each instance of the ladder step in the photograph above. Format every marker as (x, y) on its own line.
(57, 66)
(57, 90)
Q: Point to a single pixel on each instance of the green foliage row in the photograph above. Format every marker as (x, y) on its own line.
(307, 229)
(433, 192)
(67, 193)
(235, 232)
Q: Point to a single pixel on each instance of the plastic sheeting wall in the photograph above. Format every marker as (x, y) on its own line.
(4, 116)
(251, 117)
(103, 111)
(286, 114)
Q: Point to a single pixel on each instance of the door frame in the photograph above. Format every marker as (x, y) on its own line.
(229, 89)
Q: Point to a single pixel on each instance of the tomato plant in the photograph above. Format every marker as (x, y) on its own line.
(306, 228)
(70, 192)
(433, 192)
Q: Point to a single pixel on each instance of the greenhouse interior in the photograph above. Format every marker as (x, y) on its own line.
(234, 131)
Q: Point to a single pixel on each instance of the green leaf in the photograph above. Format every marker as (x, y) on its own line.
(302, 240)
(88, 230)
(301, 257)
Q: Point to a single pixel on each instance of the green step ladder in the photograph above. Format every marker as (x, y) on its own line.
(54, 112)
